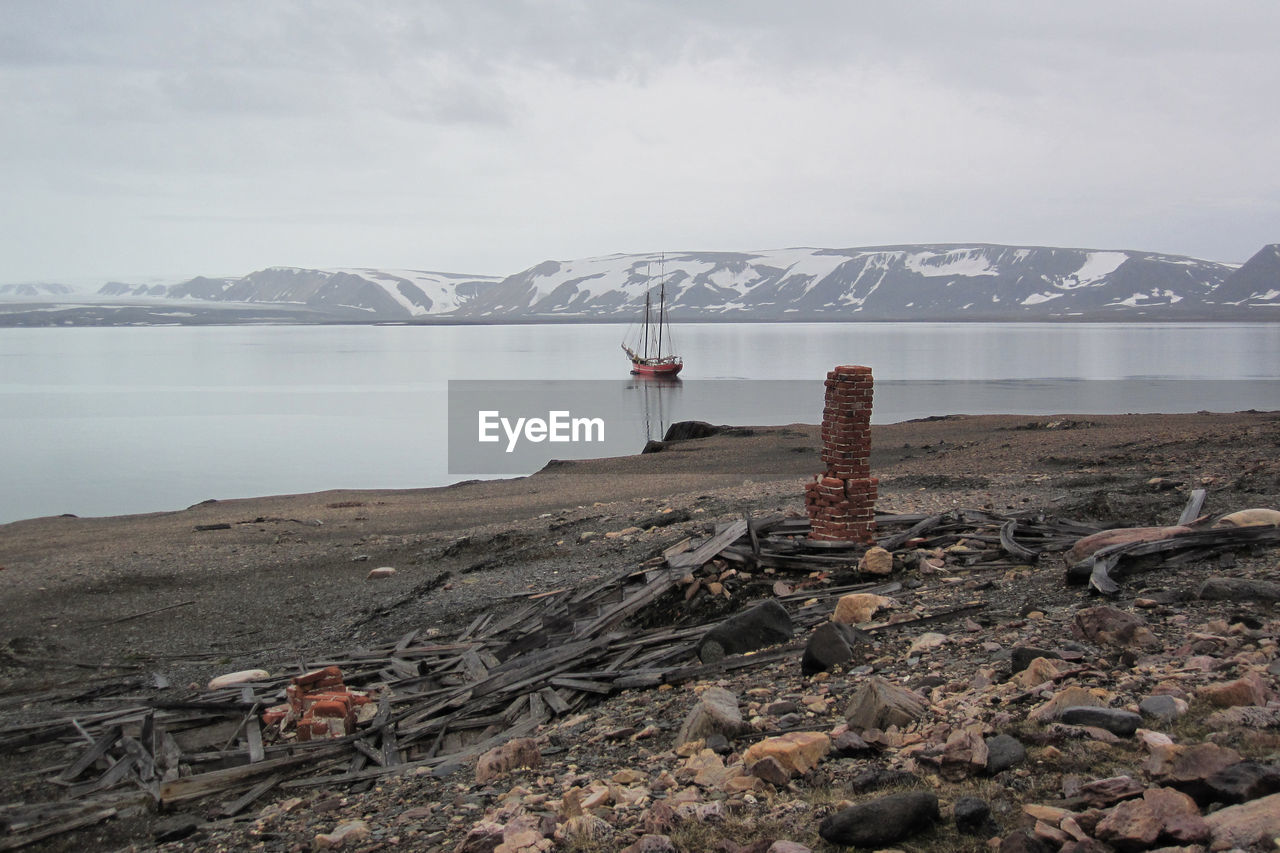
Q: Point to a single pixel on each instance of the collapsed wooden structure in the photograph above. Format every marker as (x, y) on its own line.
(438, 704)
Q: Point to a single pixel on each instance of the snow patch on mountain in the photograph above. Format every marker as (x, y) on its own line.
(1096, 266)
(961, 262)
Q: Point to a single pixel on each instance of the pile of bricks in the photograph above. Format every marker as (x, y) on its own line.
(841, 501)
(319, 706)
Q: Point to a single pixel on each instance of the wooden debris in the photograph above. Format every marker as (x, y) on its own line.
(548, 655)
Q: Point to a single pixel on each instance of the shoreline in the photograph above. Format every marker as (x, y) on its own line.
(311, 551)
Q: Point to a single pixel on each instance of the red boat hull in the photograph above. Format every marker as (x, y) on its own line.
(667, 369)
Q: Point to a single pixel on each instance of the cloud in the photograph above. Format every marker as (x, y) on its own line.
(487, 135)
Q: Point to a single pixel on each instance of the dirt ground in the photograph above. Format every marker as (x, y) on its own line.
(171, 598)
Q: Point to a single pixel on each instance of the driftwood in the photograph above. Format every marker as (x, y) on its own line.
(1117, 561)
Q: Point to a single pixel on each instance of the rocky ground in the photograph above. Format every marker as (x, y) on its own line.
(951, 732)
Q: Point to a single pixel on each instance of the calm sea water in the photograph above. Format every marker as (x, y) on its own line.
(122, 420)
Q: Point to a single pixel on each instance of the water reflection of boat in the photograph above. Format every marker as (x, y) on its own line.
(656, 364)
(657, 397)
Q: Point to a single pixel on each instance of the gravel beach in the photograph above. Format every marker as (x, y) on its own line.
(175, 598)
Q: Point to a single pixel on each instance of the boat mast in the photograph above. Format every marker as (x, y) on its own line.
(646, 323)
(662, 300)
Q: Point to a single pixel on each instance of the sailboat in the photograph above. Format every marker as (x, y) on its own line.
(657, 364)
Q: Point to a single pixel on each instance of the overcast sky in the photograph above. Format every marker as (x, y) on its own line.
(215, 137)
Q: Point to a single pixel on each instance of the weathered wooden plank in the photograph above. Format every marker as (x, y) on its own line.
(899, 539)
(473, 667)
(729, 534)
(582, 684)
(16, 842)
(246, 799)
(374, 755)
(215, 781)
(553, 700)
(99, 748)
(252, 727)
(1195, 503)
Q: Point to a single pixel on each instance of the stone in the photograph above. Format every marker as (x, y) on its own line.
(788, 847)
(1257, 517)
(651, 844)
(1068, 697)
(859, 607)
(244, 676)
(1164, 708)
(381, 572)
(876, 561)
(1239, 589)
(796, 752)
(1089, 845)
(1188, 768)
(881, 821)
(879, 704)
(1091, 544)
(524, 840)
(1038, 672)
(1247, 780)
(1022, 841)
(1246, 716)
(1003, 752)
(347, 832)
(715, 713)
(1102, 793)
(514, 754)
(766, 624)
(1113, 627)
(972, 816)
(1177, 814)
(1115, 720)
(1020, 657)
(1130, 825)
(1253, 823)
(831, 644)
(848, 745)
(718, 743)
(771, 770)
(928, 641)
(1230, 694)
(964, 753)
(484, 837)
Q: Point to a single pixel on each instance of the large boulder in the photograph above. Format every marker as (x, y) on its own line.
(716, 713)
(879, 704)
(831, 644)
(886, 820)
(1255, 822)
(795, 752)
(766, 624)
(1113, 627)
(858, 607)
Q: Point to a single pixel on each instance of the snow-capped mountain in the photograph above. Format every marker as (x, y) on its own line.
(35, 290)
(368, 293)
(920, 282)
(933, 282)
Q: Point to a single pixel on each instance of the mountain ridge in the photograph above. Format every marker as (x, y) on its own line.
(899, 282)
